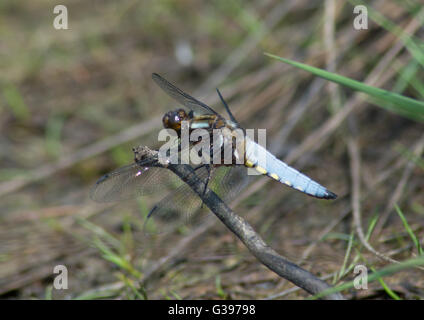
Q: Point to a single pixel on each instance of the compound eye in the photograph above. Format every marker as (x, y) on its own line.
(165, 121)
(172, 120)
(176, 119)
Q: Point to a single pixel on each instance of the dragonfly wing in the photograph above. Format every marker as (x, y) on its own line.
(131, 181)
(182, 97)
(228, 182)
(183, 206)
(180, 207)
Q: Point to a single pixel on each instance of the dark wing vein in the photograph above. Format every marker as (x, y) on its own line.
(182, 97)
(182, 206)
(131, 181)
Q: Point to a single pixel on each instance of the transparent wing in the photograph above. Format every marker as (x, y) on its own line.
(184, 206)
(228, 182)
(182, 97)
(177, 208)
(131, 181)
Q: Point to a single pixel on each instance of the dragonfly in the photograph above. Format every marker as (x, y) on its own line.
(182, 204)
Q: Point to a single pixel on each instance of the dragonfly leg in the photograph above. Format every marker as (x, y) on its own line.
(208, 167)
(151, 211)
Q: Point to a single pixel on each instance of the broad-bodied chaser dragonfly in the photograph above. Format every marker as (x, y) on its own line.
(182, 204)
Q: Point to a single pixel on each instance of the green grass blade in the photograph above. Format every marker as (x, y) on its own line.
(219, 290)
(408, 76)
(406, 106)
(48, 294)
(342, 271)
(386, 288)
(409, 230)
(389, 270)
(15, 102)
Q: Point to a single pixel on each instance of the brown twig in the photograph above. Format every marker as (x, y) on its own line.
(241, 228)
(355, 170)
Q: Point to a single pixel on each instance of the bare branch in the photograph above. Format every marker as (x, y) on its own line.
(241, 228)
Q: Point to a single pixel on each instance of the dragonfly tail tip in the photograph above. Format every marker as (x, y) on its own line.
(330, 195)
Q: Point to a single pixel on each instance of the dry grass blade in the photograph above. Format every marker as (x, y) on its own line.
(398, 192)
(74, 100)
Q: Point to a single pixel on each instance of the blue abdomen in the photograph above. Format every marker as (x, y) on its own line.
(266, 163)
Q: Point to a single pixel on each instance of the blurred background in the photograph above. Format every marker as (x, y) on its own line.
(74, 102)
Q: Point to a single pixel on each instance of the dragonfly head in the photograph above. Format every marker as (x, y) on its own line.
(172, 119)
